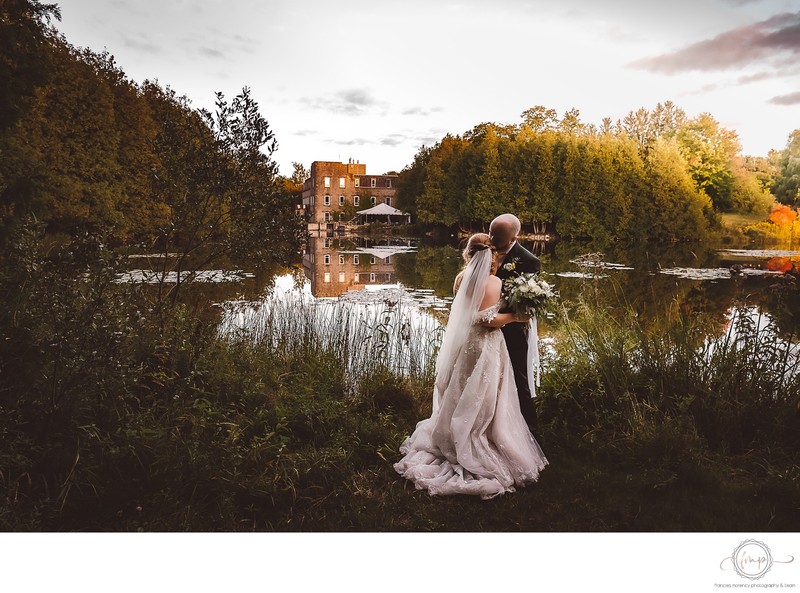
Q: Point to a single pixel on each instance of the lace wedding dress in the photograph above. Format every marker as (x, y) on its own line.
(476, 440)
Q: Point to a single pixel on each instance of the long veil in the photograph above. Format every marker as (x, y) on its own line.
(467, 300)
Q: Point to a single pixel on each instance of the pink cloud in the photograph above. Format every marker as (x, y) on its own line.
(752, 43)
(790, 99)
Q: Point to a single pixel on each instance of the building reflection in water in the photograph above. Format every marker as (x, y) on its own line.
(335, 265)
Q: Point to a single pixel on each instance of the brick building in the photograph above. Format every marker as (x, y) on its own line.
(335, 192)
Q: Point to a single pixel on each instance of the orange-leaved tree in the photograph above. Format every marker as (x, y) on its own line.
(783, 215)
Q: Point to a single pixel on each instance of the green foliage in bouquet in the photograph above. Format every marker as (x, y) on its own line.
(528, 294)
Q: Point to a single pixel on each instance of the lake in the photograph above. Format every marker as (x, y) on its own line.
(375, 277)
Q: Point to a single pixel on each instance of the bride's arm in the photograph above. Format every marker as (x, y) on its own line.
(492, 295)
(502, 319)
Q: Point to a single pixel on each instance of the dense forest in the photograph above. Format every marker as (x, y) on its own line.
(86, 150)
(655, 175)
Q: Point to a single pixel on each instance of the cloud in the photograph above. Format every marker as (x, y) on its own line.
(143, 45)
(423, 111)
(346, 102)
(790, 99)
(393, 140)
(353, 142)
(210, 52)
(732, 49)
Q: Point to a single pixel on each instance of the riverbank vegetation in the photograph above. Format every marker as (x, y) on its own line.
(115, 418)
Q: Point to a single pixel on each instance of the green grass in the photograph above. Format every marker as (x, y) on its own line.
(736, 220)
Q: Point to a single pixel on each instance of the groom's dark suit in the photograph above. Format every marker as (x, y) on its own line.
(516, 334)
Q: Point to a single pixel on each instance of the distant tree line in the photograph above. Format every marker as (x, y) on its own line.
(654, 175)
(86, 150)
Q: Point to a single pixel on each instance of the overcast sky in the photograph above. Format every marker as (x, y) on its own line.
(374, 80)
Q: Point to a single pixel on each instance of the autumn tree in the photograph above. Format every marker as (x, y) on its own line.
(540, 118)
(783, 215)
(24, 65)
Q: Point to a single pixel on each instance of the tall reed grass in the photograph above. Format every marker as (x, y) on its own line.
(392, 337)
(736, 389)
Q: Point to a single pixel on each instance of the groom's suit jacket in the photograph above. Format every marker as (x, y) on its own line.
(515, 334)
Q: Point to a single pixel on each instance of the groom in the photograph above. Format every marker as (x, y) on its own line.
(514, 259)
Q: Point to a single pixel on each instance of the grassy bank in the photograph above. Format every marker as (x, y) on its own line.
(123, 414)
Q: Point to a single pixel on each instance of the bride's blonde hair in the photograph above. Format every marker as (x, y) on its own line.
(477, 242)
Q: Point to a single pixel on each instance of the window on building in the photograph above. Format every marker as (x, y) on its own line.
(327, 217)
(388, 201)
(341, 182)
(341, 200)
(356, 200)
(341, 276)
(341, 259)
(327, 259)
(356, 260)
(355, 277)
(372, 277)
(373, 182)
(326, 200)
(389, 182)
(327, 243)
(388, 277)
(326, 277)
(374, 200)
(327, 181)
(358, 181)
(372, 259)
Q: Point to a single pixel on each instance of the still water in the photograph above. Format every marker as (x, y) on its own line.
(403, 287)
(418, 272)
(708, 281)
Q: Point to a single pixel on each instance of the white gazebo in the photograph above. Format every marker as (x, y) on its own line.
(383, 213)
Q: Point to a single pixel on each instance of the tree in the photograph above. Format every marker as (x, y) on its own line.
(783, 215)
(446, 183)
(709, 151)
(299, 173)
(673, 209)
(540, 119)
(646, 126)
(411, 181)
(571, 122)
(218, 178)
(787, 183)
(24, 66)
(23, 55)
(491, 194)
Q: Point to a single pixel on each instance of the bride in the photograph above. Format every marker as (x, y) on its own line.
(476, 440)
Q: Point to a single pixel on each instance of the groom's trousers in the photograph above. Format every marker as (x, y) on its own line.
(517, 343)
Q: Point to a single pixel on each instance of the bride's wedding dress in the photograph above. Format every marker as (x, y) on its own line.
(476, 440)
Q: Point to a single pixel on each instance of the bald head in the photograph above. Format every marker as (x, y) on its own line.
(504, 230)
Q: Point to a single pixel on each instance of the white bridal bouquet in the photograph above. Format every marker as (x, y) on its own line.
(527, 294)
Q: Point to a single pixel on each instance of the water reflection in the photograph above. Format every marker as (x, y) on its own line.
(394, 293)
(336, 265)
(659, 285)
